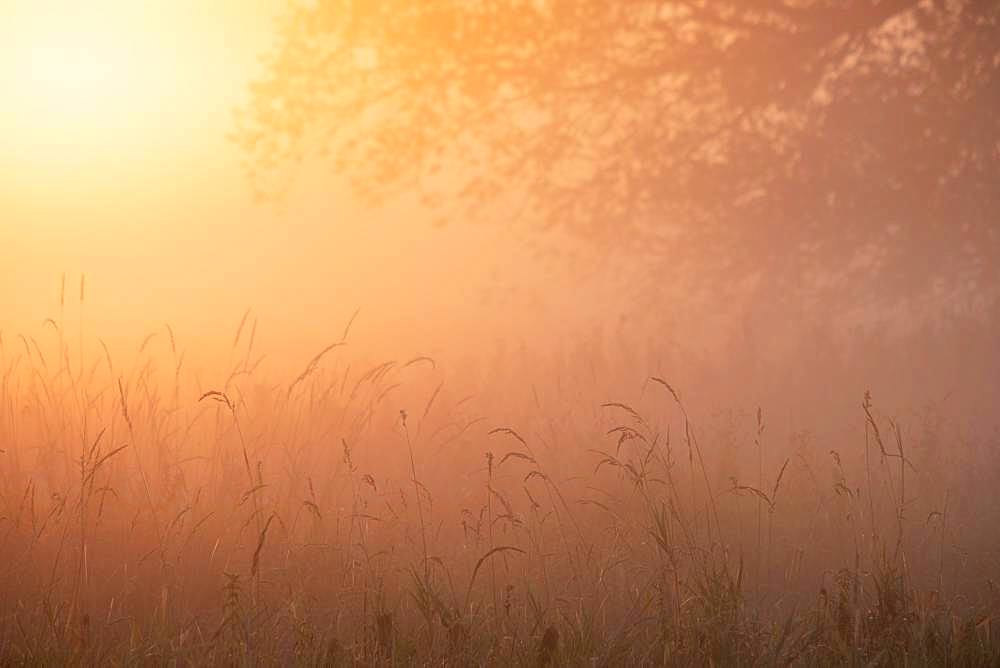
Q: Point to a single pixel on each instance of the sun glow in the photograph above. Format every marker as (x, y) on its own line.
(66, 76)
(109, 98)
(69, 75)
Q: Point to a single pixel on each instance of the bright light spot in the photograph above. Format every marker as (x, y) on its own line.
(69, 73)
(74, 76)
(105, 98)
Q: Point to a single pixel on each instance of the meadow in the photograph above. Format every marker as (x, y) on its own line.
(587, 509)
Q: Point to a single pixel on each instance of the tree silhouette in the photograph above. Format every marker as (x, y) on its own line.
(831, 145)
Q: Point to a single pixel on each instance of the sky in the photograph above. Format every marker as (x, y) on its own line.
(114, 159)
(115, 164)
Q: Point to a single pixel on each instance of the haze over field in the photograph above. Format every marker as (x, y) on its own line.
(124, 173)
(529, 333)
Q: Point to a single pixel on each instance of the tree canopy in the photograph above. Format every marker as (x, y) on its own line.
(836, 143)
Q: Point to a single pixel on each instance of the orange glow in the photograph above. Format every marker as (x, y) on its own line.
(81, 79)
(117, 92)
(114, 163)
(113, 156)
(70, 70)
(319, 430)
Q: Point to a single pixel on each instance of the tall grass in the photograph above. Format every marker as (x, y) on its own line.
(368, 515)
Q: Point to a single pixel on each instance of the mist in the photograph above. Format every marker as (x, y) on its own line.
(330, 338)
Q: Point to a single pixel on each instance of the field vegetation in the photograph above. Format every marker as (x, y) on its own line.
(594, 508)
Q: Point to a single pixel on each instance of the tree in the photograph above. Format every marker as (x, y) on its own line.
(831, 144)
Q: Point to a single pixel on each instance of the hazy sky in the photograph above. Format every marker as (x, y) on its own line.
(114, 162)
(112, 143)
